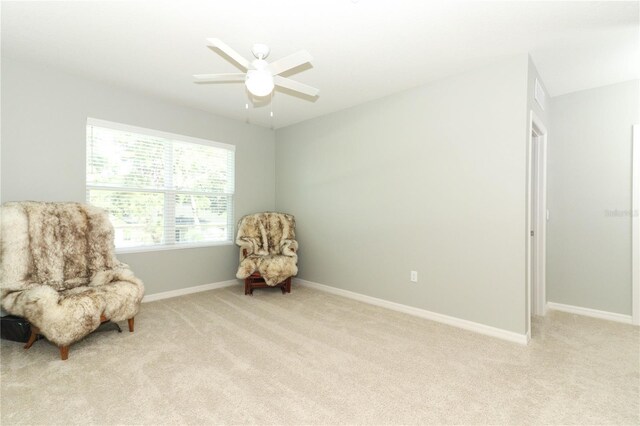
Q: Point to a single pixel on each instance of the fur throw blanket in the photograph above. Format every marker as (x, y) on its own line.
(59, 271)
(268, 246)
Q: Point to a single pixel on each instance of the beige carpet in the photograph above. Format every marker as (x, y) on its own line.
(220, 357)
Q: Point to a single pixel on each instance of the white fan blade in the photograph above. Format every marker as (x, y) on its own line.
(238, 58)
(288, 62)
(212, 78)
(296, 86)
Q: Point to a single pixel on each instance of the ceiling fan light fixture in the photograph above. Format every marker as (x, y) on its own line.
(261, 76)
(259, 82)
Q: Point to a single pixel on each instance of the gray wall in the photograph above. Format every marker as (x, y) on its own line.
(44, 115)
(432, 180)
(589, 173)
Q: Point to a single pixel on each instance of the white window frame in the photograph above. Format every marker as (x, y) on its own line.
(169, 207)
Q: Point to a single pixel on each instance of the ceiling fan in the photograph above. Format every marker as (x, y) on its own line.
(260, 77)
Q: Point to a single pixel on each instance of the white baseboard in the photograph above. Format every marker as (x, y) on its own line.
(188, 290)
(422, 313)
(588, 312)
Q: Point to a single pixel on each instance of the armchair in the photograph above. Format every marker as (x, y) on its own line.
(268, 251)
(59, 271)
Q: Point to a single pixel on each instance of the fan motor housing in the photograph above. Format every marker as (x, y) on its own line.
(260, 50)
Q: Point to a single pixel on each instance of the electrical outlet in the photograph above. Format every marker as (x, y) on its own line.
(414, 276)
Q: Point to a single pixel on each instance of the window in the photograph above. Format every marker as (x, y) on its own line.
(161, 190)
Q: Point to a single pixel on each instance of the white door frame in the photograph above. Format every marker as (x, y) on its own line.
(536, 292)
(635, 228)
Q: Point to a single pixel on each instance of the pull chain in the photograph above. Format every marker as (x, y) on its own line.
(271, 106)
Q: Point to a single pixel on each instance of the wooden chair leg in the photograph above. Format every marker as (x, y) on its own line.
(32, 337)
(130, 321)
(248, 287)
(64, 352)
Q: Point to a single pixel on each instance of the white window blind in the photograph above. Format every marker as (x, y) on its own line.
(161, 190)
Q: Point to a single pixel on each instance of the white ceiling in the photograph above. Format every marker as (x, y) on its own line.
(362, 49)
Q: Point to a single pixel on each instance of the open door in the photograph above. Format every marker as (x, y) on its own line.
(536, 219)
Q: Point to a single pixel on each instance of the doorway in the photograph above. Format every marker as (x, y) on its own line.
(537, 216)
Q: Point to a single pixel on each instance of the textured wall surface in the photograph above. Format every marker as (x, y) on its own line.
(432, 180)
(589, 197)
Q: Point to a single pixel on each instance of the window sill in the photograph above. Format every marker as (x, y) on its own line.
(143, 249)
